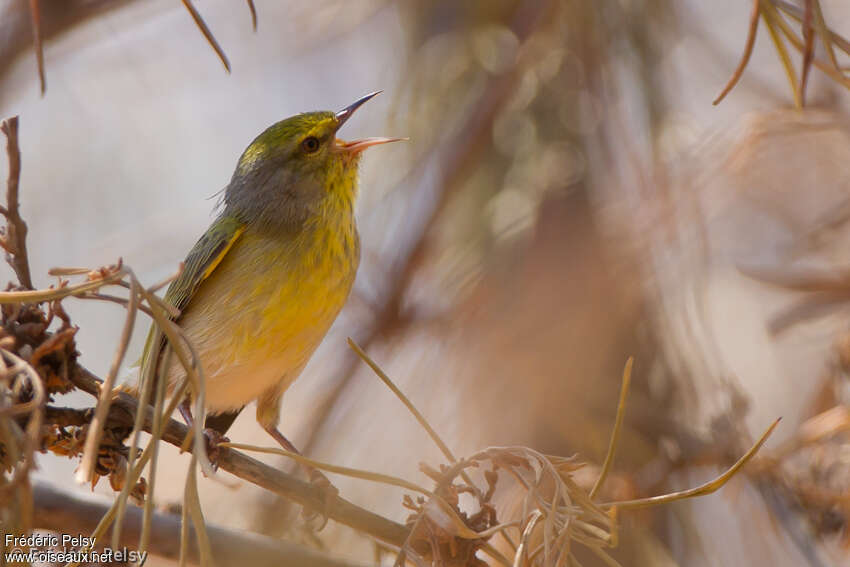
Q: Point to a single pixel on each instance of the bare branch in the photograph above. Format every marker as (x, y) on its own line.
(745, 57)
(809, 48)
(39, 295)
(256, 472)
(16, 229)
(35, 18)
(253, 10)
(60, 511)
(86, 471)
(202, 25)
(618, 424)
(703, 489)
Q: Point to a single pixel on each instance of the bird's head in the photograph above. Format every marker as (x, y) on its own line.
(295, 166)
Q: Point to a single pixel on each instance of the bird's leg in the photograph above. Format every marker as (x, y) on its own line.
(212, 438)
(186, 412)
(317, 477)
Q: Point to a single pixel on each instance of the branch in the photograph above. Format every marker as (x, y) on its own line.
(205, 30)
(15, 238)
(124, 407)
(745, 58)
(113, 277)
(35, 17)
(57, 510)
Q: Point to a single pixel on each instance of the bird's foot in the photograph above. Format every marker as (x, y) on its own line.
(212, 439)
(329, 494)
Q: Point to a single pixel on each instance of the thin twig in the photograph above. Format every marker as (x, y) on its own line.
(253, 10)
(194, 373)
(64, 271)
(156, 435)
(703, 489)
(745, 57)
(812, 20)
(522, 550)
(772, 20)
(809, 47)
(14, 241)
(164, 282)
(404, 399)
(52, 294)
(412, 408)
(135, 434)
(115, 299)
(192, 502)
(133, 473)
(202, 25)
(825, 35)
(328, 467)
(86, 471)
(833, 73)
(35, 19)
(834, 38)
(618, 423)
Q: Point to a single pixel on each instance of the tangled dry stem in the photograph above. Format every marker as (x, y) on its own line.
(558, 514)
(776, 15)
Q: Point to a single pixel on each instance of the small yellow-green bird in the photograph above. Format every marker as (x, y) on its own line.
(262, 286)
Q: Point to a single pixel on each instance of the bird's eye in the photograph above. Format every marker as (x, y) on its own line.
(310, 144)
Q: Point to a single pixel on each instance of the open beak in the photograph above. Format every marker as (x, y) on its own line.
(357, 146)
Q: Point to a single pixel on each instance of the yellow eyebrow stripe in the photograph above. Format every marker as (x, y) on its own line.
(217, 260)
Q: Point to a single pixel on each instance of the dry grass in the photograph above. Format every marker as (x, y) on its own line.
(779, 17)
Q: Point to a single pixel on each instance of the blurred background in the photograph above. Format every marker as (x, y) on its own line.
(569, 197)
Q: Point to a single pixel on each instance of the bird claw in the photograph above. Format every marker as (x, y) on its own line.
(329, 495)
(212, 438)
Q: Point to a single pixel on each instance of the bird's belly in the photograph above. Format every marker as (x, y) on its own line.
(257, 332)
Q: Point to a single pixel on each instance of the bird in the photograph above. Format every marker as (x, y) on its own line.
(262, 286)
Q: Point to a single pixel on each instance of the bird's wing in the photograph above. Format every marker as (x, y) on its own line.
(201, 262)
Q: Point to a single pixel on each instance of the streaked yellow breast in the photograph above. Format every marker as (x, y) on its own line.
(260, 315)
